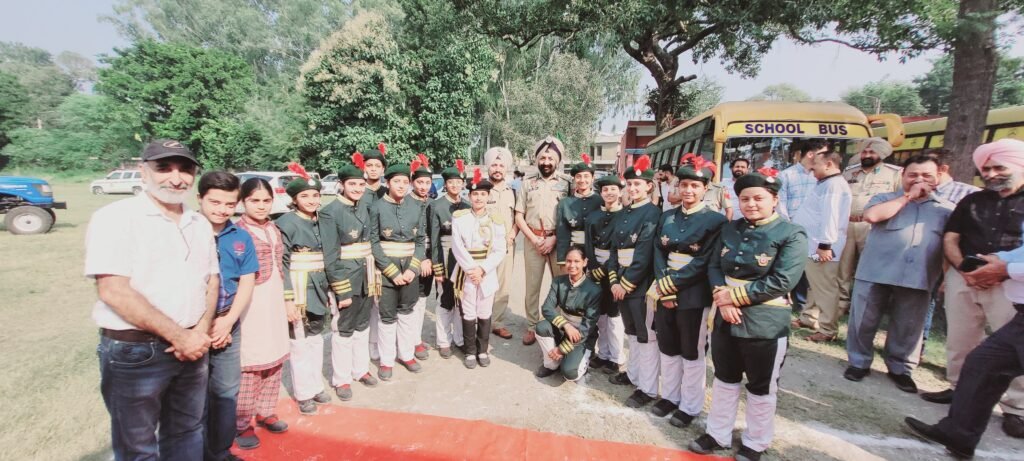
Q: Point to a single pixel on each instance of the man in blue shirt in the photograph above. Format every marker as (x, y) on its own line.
(218, 195)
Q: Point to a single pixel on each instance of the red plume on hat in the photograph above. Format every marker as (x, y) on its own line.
(460, 165)
(298, 169)
(477, 176)
(699, 163)
(768, 171)
(415, 165)
(689, 158)
(642, 164)
(358, 161)
(382, 148)
(585, 158)
(423, 160)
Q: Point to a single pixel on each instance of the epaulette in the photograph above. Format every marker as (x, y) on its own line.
(894, 167)
(495, 217)
(852, 167)
(460, 213)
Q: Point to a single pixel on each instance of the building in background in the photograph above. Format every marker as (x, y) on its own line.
(605, 150)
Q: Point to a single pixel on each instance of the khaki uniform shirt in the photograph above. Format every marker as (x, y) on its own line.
(539, 197)
(503, 203)
(717, 198)
(880, 179)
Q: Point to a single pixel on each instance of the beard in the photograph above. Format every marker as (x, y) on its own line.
(1000, 183)
(546, 170)
(165, 195)
(497, 176)
(868, 162)
(738, 174)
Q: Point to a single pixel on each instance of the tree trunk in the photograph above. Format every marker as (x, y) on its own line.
(974, 72)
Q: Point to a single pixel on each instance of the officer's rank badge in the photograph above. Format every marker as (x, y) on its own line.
(724, 251)
(763, 259)
(634, 237)
(664, 240)
(572, 222)
(387, 232)
(414, 231)
(695, 247)
(354, 233)
(447, 224)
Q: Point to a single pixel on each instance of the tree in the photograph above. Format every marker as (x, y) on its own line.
(80, 69)
(697, 96)
(180, 92)
(781, 92)
(936, 86)
(885, 97)
(13, 99)
(46, 85)
(91, 133)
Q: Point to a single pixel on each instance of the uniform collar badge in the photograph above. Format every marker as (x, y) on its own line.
(664, 240)
(387, 232)
(763, 259)
(724, 251)
(354, 233)
(634, 237)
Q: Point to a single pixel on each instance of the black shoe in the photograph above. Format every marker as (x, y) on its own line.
(931, 433)
(307, 407)
(611, 368)
(273, 424)
(446, 352)
(231, 457)
(1013, 426)
(662, 408)
(638, 399)
(385, 373)
(598, 362)
(855, 374)
(322, 398)
(421, 352)
(469, 362)
(368, 380)
(344, 392)
(411, 365)
(944, 397)
(544, 372)
(904, 382)
(484, 360)
(681, 418)
(247, 439)
(704, 445)
(620, 379)
(746, 453)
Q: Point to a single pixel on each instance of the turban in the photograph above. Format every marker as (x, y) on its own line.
(498, 153)
(552, 143)
(1006, 151)
(879, 145)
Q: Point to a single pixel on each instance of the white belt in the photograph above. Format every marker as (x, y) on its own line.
(306, 262)
(578, 237)
(358, 250)
(398, 249)
(625, 257)
(602, 255)
(780, 301)
(677, 260)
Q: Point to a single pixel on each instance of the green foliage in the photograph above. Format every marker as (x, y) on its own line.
(13, 99)
(889, 97)
(185, 93)
(936, 86)
(46, 85)
(782, 92)
(91, 133)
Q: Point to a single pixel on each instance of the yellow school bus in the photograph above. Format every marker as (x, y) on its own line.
(762, 132)
(1007, 122)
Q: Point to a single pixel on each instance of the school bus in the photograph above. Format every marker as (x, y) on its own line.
(1007, 122)
(762, 132)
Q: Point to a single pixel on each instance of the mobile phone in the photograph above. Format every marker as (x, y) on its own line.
(971, 263)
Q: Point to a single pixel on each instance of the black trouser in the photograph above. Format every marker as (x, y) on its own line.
(986, 375)
(757, 358)
(799, 293)
(634, 316)
(679, 331)
(447, 294)
(425, 284)
(355, 317)
(397, 300)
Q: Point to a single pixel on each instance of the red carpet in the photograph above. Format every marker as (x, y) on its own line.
(358, 433)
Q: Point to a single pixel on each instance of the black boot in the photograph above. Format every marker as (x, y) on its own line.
(483, 338)
(469, 334)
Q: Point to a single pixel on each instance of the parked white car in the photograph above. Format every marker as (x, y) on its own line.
(118, 182)
(330, 185)
(278, 181)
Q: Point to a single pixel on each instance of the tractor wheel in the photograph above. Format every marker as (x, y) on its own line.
(28, 220)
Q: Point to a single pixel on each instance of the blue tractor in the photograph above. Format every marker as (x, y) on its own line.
(28, 204)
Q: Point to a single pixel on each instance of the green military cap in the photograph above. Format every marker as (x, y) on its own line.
(303, 183)
(349, 171)
(764, 177)
(608, 180)
(696, 168)
(583, 165)
(420, 167)
(641, 169)
(454, 172)
(378, 155)
(397, 170)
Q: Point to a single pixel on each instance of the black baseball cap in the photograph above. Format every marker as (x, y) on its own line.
(165, 148)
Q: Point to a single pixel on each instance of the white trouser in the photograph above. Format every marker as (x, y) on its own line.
(760, 415)
(611, 336)
(474, 304)
(725, 402)
(375, 329)
(350, 357)
(686, 380)
(307, 362)
(419, 311)
(643, 366)
(671, 376)
(547, 344)
(406, 337)
(448, 326)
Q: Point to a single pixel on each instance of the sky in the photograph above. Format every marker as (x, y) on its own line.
(823, 71)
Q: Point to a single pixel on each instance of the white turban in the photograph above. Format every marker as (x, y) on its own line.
(499, 153)
(879, 145)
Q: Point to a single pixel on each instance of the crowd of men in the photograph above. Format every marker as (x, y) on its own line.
(198, 314)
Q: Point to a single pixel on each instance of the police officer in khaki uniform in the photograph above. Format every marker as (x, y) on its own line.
(535, 216)
(871, 176)
(498, 161)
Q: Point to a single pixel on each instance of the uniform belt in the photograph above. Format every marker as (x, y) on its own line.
(306, 262)
(575, 320)
(358, 250)
(479, 254)
(602, 255)
(398, 249)
(542, 232)
(779, 302)
(578, 238)
(625, 256)
(856, 218)
(131, 336)
(446, 241)
(678, 260)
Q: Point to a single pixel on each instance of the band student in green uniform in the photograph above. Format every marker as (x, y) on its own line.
(422, 180)
(570, 314)
(372, 165)
(757, 263)
(448, 321)
(609, 334)
(571, 212)
(306, 284)
(397, 239)
(631, 263)
(686, 234)
(345, 233)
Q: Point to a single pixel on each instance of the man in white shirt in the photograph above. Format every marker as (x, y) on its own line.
(798, 180)
(825, 215)
(155, 266)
